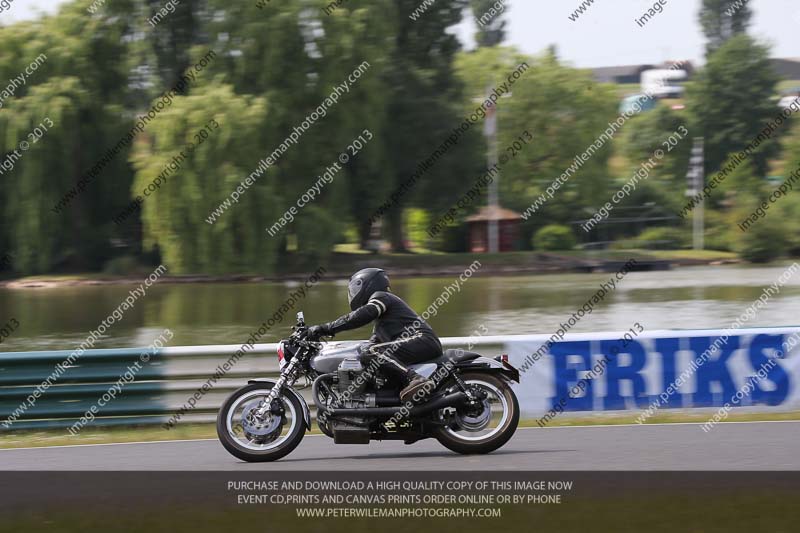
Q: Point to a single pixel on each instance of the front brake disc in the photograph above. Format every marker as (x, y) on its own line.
(253, 424)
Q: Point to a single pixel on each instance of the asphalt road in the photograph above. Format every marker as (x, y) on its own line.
(729, 446)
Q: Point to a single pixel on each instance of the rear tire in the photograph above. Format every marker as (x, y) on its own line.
(287, 444)
(495, 440)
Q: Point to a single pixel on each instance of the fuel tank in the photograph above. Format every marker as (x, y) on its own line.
(333, 353)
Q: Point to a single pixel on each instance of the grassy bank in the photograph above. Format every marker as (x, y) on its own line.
(342, 264)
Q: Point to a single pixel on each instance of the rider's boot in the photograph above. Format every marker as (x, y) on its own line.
(418, 387)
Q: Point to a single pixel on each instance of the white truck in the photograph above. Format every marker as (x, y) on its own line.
(664, 83)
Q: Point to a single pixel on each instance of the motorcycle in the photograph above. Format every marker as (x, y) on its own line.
(471, 409)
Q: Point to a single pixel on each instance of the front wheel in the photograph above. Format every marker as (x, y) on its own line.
(486, 426)
(255, 438)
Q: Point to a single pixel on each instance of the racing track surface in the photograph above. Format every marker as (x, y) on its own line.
(729, 446)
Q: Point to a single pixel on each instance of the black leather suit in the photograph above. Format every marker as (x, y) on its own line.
(400, 336)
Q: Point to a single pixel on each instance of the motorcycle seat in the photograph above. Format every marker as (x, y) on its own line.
(454, 356)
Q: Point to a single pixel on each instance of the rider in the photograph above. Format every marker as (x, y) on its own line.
(400, 337)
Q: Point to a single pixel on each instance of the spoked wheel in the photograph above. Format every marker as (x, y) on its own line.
(486, 426)
(255, 438)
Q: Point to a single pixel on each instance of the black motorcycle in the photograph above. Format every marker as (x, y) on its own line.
(471, 410)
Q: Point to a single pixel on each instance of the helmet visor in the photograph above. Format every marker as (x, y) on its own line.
(353, 288)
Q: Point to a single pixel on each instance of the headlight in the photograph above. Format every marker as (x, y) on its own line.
(281, 359)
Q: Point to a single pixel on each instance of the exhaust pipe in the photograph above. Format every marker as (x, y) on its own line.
(451, 400)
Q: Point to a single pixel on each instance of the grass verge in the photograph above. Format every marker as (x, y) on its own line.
(682, 417)
(347, 260)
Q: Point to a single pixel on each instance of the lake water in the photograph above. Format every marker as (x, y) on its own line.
(226, 313)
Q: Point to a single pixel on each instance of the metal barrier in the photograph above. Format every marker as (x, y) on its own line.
(159, 390)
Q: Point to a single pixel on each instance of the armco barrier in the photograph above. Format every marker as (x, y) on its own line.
(159, 390)
(632, 379)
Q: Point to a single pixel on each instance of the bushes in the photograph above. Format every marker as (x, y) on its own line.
(719, 233)
(554, 237)
(452, 239)
(125, 265)
(764, 240)
(417, 222)
(317, 230)
(789, 213)
(763, 243)
(663, 238)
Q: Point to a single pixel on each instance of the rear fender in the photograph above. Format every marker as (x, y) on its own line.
(490, 366)
(306, 410)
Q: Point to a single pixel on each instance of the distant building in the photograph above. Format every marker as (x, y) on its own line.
(620, 75)
(633, 73)
(787, 68)
(508, 222)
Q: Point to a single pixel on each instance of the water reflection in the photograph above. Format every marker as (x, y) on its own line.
(225, 313)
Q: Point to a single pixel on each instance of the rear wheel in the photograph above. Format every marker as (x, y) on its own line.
(256, 439)
(485, 426)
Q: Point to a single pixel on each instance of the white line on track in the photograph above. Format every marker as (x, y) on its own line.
(661, 424)
(102, 444)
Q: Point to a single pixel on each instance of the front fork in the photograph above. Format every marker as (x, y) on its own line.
(286, 378)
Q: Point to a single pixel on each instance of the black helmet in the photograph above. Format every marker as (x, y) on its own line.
(364, 284)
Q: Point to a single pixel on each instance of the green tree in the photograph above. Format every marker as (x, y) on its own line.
(174, 216)
(38, 236)
(358, 36)
(554, 237)
(294, 55)
(765, 241)
(723, 19)
(648, 132)
(788, 211)
(79, 87)
(731, 102)
(172, 37)
(423, 106)
(110, 65)
(490, 19)
(565, 111)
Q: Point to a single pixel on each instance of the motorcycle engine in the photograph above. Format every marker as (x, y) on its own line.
(351, 386)
(352, 382)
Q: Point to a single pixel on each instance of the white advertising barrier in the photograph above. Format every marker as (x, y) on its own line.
(652, 370)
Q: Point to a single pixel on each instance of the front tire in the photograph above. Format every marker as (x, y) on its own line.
(254, 443)
(474, 441)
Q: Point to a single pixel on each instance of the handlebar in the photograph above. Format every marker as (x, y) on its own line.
(300, 328)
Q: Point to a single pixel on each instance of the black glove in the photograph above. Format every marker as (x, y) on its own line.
(315, 332)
